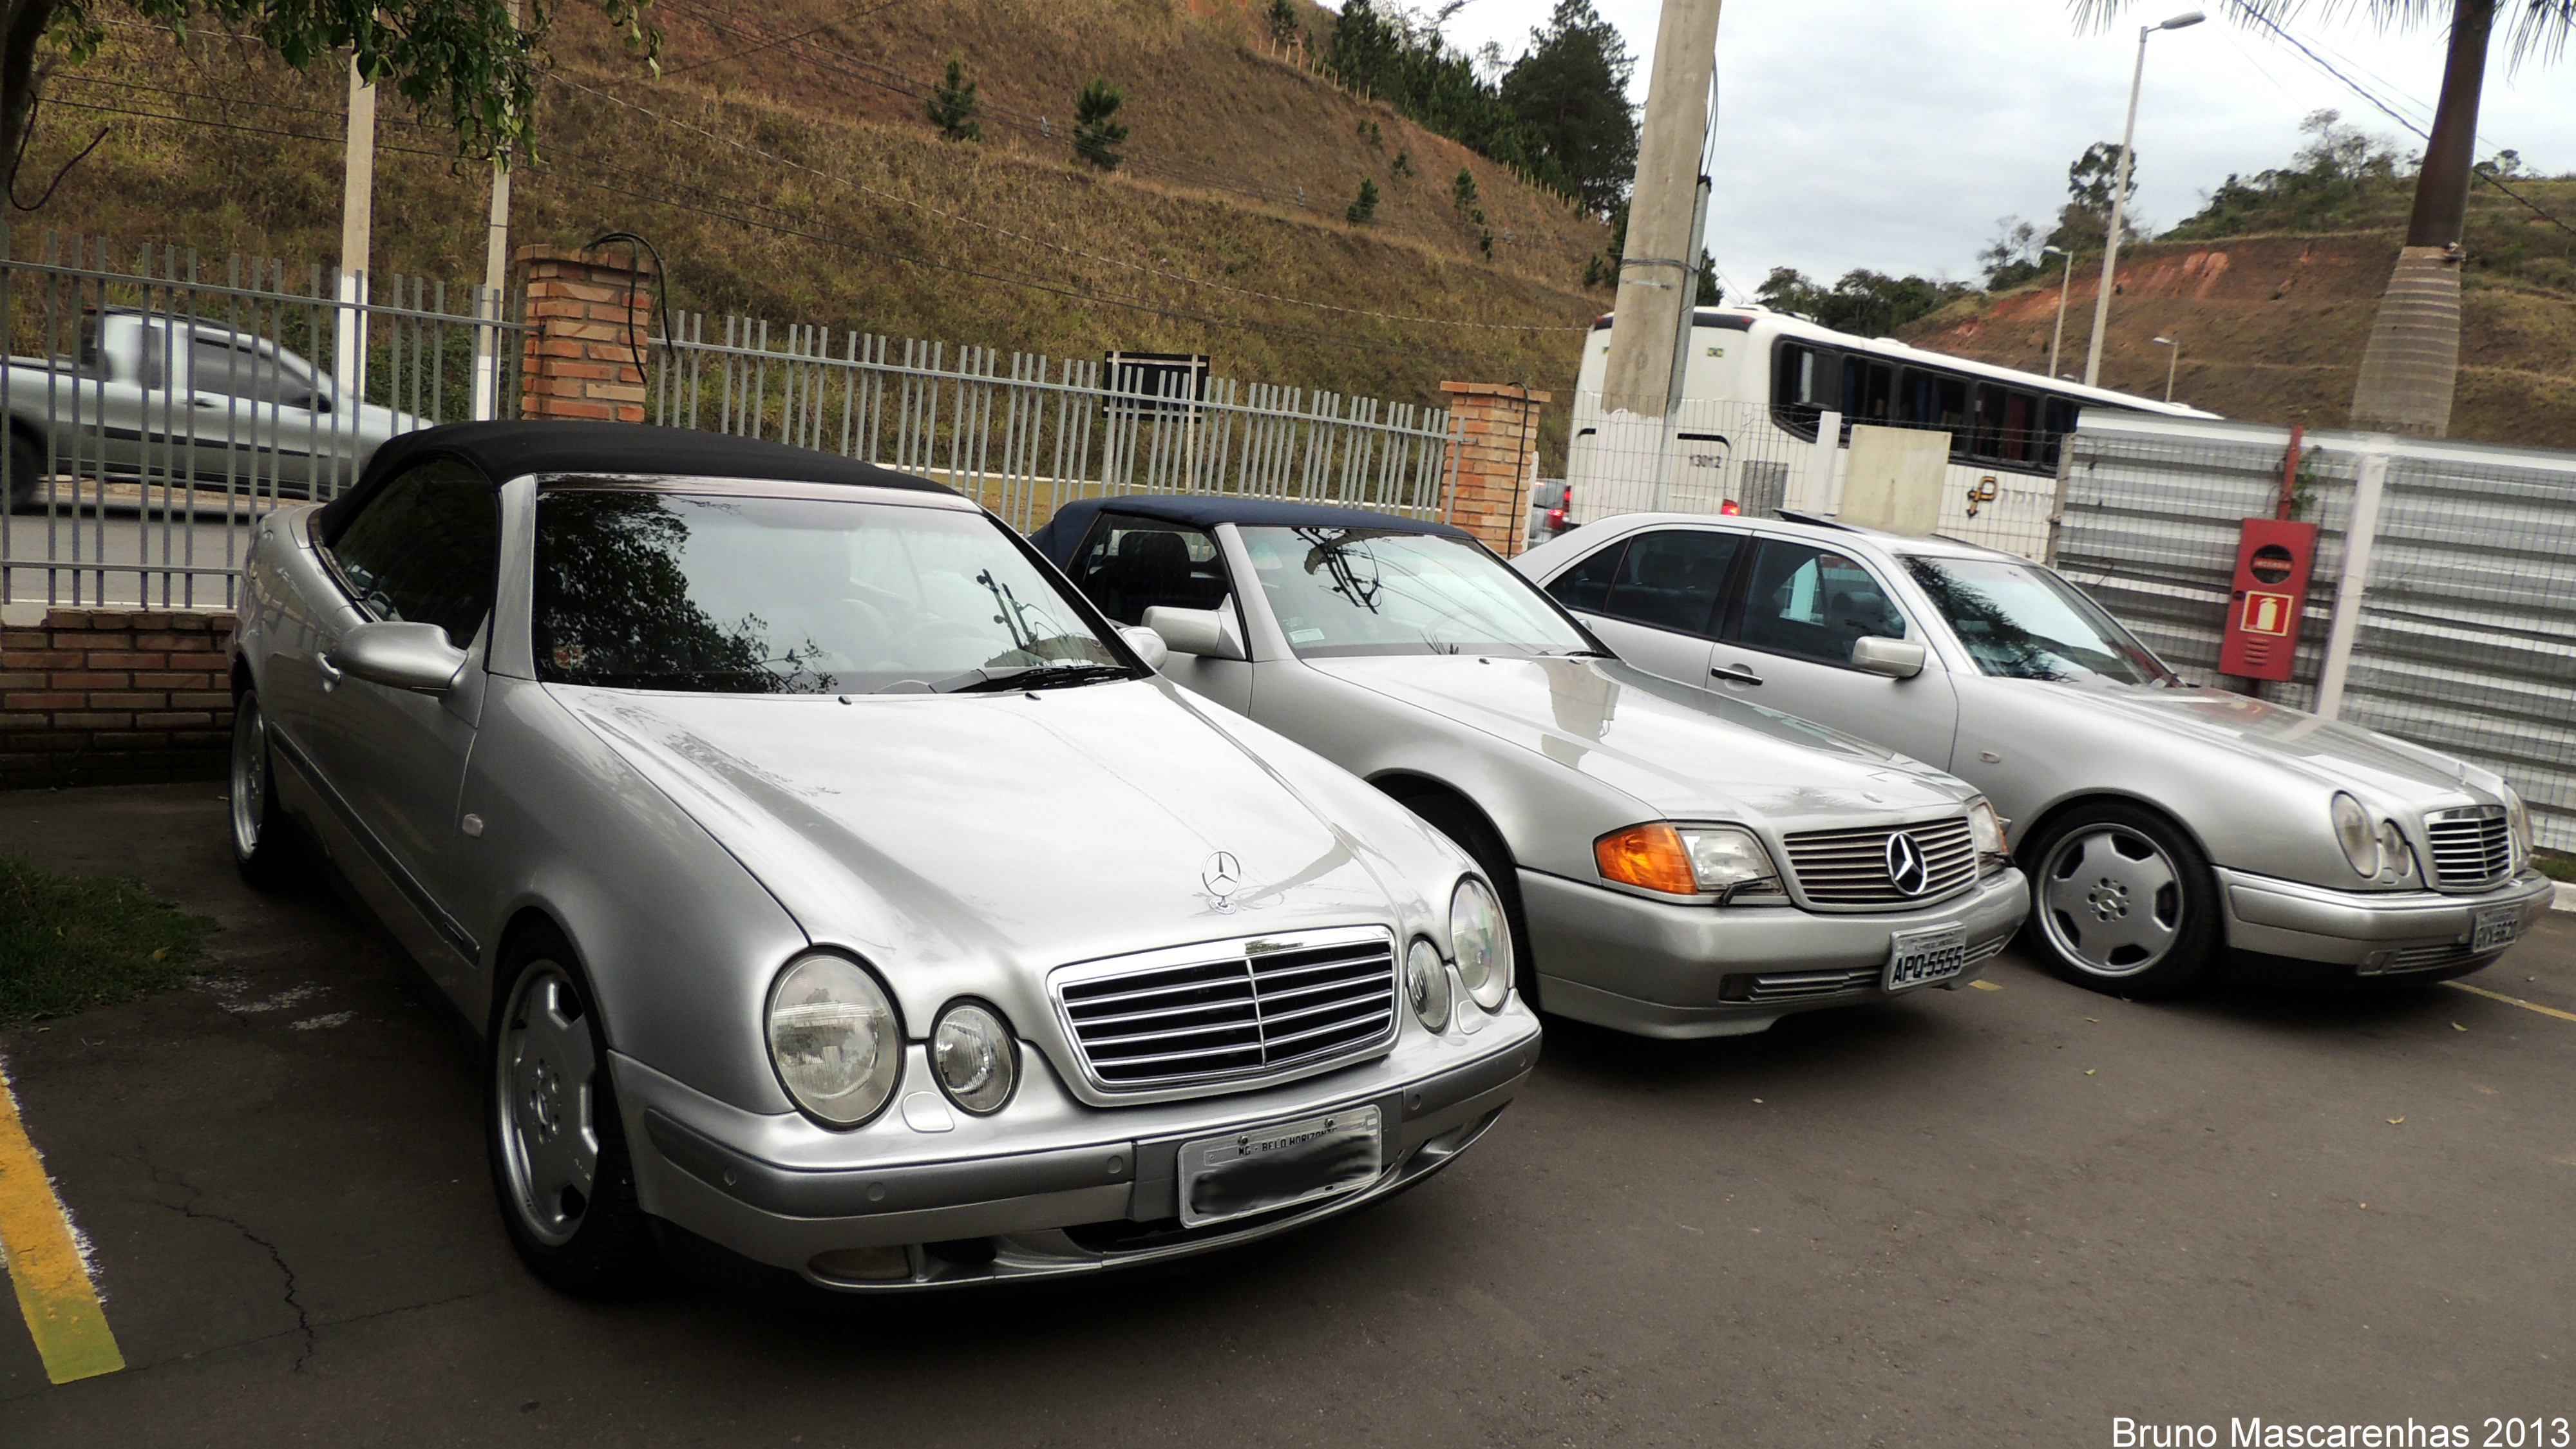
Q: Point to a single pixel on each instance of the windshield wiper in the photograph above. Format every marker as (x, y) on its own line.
(1036, 676)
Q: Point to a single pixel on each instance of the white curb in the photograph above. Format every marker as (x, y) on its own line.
(2566, 900)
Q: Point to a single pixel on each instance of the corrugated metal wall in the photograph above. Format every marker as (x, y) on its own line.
(2467, 637)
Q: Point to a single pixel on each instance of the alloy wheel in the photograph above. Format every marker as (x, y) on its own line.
(249, 776)
(2111, 901)
(549, 1136)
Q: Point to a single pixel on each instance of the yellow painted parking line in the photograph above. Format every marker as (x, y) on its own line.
(2511, 1000)
(54, 1288)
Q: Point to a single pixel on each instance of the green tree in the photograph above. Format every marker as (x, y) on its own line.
(1283, 21)
(2411, 367)
(953, 106)
(1872, 304)
(464, 59)
(1710, 293)
(1462, 190)
(1096, 133)
(1571, 90)
(1402, 60)
(1363, 208)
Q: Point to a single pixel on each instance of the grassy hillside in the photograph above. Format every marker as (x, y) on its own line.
(801, 182)
(2273, 324)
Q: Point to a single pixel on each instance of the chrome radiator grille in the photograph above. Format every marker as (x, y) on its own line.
(1849, 867)
(2470, 847)
(1230, 1009)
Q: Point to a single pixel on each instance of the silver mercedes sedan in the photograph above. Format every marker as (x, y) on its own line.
(1670, 865)
(841, 900)
(2169, 831)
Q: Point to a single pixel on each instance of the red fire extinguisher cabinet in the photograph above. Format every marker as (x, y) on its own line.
(2273, 560)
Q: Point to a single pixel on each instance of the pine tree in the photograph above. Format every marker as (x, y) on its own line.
(953, 105)
(1095, 135)
(1284, 24)
(1462, 192)
(1363, 209)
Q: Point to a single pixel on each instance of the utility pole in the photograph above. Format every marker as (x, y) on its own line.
(496, 276)
(1655, 276)
(2120, 197)
(357, 224)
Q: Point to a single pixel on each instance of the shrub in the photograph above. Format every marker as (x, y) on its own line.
(1096, 136)
(1363, 208)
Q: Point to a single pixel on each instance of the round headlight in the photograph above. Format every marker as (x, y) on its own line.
(834, 1038)
(1426, 985)
(1483, 943)
(2394, 852)
(2354, 833)
(972, 1054)
(2517, 821)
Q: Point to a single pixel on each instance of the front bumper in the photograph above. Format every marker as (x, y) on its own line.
(2404, 934)
(782, 1192)
(1663, 970)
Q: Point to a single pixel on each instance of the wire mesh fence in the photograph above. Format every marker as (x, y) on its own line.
(2462, 614)
(160, 402)
(1026, 434)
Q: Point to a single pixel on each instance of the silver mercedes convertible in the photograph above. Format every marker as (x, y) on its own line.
(2169, 831)
(839, 898)
(1671, 865)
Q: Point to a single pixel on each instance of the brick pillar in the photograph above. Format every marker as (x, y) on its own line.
(1495, 428)
(593, 316)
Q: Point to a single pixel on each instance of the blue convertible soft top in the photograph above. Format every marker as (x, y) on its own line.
(1065, 532)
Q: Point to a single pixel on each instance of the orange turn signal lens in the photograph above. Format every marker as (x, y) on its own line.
(1646, 855)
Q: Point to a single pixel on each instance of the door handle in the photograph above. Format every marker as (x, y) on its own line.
(1736, 674)
(331, 674)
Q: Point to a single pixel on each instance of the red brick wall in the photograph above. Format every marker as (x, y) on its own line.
(1494, 427)
(115, 697)
(593, 315)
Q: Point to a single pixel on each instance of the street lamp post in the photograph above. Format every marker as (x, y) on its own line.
(2065, 276)
(2173, 360)
(2120, 195)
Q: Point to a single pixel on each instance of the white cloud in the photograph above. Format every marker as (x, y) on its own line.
(1891, 133)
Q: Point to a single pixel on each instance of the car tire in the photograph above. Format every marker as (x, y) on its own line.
(1468, 830)
(26, 471)
(560, 1166)
(2123, 902)
(262, 844)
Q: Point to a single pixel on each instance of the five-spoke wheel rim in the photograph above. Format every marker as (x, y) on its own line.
(249, 776)
(2110, 901)
(549, 1139)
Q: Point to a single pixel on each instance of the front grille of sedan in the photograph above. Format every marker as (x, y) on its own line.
(1256, 1007)
(1849, 867)
(2471, 847)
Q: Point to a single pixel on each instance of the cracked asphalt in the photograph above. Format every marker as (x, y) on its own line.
(1982, 1217)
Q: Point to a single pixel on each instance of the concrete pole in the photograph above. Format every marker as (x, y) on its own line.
(2065, 279)
(2119, 206)
(357, 225)
(2360, 532)
(496, 276)
(1690, 302)
(1655, 274)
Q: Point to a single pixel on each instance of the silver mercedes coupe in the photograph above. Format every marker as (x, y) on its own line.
(2169, 831)
(840, 900)
(1671, 865)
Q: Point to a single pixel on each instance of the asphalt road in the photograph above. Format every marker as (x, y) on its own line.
(87, 555)
(1974, 1218)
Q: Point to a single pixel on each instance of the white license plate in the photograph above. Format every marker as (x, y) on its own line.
(1274, 1167)
(2494, 928)
(1919, 958)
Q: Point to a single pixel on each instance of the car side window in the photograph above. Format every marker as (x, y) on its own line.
(1128, 565)
(1812, 603)
(1670, 579)
(426, 548)
(1586, 586)
(243, 372)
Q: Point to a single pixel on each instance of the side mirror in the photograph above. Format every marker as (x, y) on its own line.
(1149, 646)
(416, 657)
(1209, 633)
(1895, 658)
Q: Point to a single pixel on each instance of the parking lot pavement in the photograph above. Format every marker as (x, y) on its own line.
(1984, 1217)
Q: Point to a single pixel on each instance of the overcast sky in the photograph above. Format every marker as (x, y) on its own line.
(1891, 133)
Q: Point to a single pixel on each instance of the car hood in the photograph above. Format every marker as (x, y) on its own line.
(2278, 737)
(1683, 754)
(1008, 827)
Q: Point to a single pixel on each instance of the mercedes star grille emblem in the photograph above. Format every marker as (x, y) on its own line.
(1223, 877)
(1906, 868)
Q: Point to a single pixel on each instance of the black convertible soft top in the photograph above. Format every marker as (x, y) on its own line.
(1072, 523)
(502, 451)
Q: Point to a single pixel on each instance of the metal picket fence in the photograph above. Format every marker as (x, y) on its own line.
(1026, 434)
(160, 402)
(2462, 626)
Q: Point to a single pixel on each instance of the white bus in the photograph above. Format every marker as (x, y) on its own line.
(1756, 391)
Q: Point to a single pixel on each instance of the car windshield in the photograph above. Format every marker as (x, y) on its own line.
(650, 590)
(1343, 591)
(2024, 622)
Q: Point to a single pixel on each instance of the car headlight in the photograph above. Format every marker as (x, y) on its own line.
(1703, 860)
(2517, 822)
(1724, 859)
(1483, 943)
(2395, 855)
(2354, 833)
(834, 1038)
(1988, 828)
(1426, 984)
(974, 1057)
